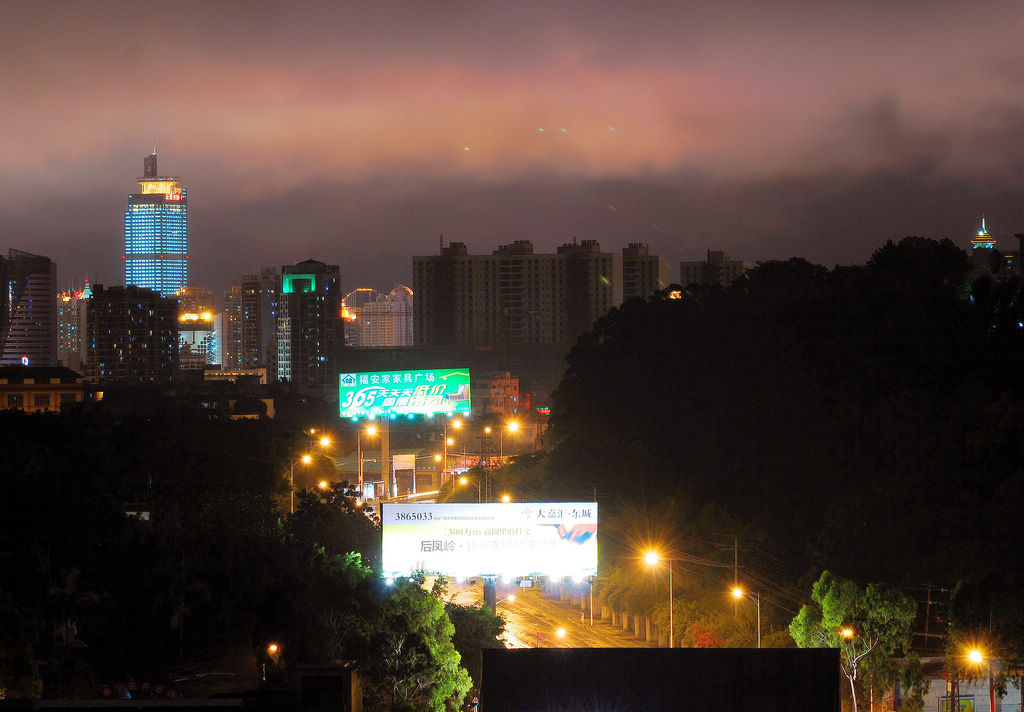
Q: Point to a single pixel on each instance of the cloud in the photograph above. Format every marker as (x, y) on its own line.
(716, 122)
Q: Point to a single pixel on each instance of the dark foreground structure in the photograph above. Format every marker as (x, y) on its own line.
(628, 679)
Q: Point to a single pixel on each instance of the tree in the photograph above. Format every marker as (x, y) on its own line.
(476, 628)
(870, 626)
(411, 663)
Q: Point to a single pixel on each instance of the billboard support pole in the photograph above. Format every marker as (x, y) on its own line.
(385, 456)
(490, 595)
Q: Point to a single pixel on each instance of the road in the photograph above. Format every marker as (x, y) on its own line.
(532, 620)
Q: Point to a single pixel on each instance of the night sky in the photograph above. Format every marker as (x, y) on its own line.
(357, 133)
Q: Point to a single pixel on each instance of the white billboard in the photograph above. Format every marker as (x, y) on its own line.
(555, 539)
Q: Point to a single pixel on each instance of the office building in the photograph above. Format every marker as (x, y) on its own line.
(643, 274)
(28, 310)
(310, 328)
(132, 335)
(156, 233)
(513, 296)
(717, 269)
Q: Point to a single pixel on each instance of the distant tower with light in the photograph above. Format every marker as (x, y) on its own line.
(982, 239)
(156, 233)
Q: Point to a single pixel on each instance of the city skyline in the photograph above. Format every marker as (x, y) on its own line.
(357, 135)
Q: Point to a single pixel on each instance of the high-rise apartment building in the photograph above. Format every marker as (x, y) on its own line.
(385, 321)
(250, 316)
(310, 328)
(352, 312)
(132, 335)
(643, 274)
(513, 296)
(28, 322)
(156, 233)
(72, 314)
(718, 269)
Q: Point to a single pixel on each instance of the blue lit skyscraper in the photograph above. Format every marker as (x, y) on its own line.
(156, 233)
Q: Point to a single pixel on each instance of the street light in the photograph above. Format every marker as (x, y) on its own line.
(738, 593)
(305, 460)
(455, 425)
(437, 458)
(371, 430)
(465, 481)
(977, 657)
(653, 558)
(506, 498)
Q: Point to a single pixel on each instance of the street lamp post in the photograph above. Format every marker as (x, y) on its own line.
(756, 598)
(371, 430)
(465, 481)
(652, 558)
(977, 658)
(455, 425)
(305, 460)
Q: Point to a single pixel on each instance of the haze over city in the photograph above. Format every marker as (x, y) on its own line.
(357, 133)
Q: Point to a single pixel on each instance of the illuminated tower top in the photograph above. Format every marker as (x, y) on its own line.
(982, 238)
(156, 232)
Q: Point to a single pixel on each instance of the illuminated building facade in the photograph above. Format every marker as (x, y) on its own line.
(28, 310)
(310, 328)
(513, 296)
(131, 334)
(156, 233)
(718, 269)
(197, 332)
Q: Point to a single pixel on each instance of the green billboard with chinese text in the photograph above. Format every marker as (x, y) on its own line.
(382, 394)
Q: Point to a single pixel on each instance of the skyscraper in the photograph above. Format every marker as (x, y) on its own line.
(28, 323)
(156, 233)
(310, 330)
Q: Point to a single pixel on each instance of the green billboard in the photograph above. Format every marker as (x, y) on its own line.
(381, 394)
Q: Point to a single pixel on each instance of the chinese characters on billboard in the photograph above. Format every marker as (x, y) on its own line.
(508, 540)
(384, 393)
